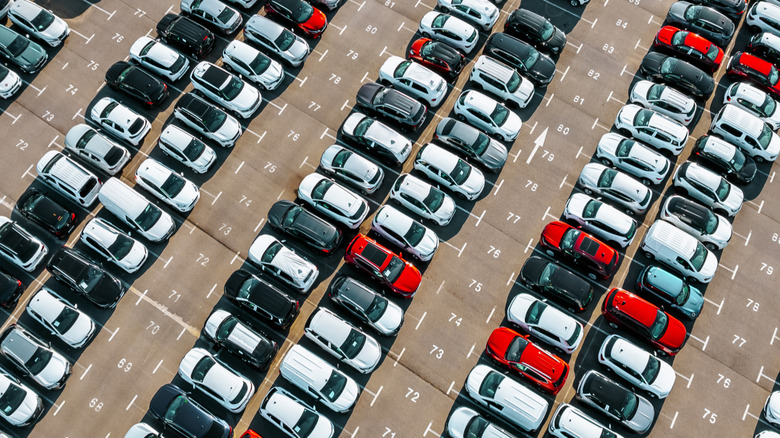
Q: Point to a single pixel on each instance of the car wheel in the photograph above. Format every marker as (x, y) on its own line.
(587, 191)
(722, 212)
(759, 159)
(710, 246)
(624, 132)
(445, 9)
(606, 162)
(613, 325)
(550, 253)
(574, 2)
(649, 255)
(646, 181)
(506, 138)
(426, 34)
(592, 276)
(629, 212)
(461, 117)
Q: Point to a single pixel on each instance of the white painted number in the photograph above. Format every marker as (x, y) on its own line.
(47, 116)
(203, 260)
(225, 229)
(438, 352)
(455, 320)
(22, 145)
(152, 327)
(388, 433)
(352, 54)
(246, 201)
(607, 48)
(621, 23)
(549, 155)
(723, 380)
(334, 78)
(477, 286)
(495, 251)
(531, 185)
(139, 13)
(513, 217)
(117, 37)
(294, 135)
(412, 395)
(271, 167)
(389, 4)
(593, 74)
(752, 304)
(740, 339)
(578, 99)
(711, 416)
(314, 106)
(371, 29)
(563, 129)
(766, 268)
(124, 365)
(71, 89)
(96, 404)
(93, 65)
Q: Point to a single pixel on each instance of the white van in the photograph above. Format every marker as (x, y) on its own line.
(746, 130)
(68, 177)
(502, 80)
(135, 210)
(680, 251)
(313, 375)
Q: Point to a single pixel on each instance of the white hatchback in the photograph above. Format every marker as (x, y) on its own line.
(637, 366)
(601, 219)
(333, 200)
(253, 65)
(708, 187)
(423, 199)
(450, 30)
(65, 321)
(352, 168)
(615, 186)
(545, 322)
(159, 58)
(343, 341)
(273, 257)
(39, 22)
(665, 100)
(633, 157)
(487, 114)
(406, 233)
(480, 12)
(216, 380)
(226, 89)
(446, 168)
(286, 411)
(413, 79)
(652, 128)
(756, 101)
(86, 143)
(120, 121)
(186, 149)
(167, 185)
(114, 245)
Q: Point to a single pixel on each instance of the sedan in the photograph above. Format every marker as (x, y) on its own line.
(208, 120)
(394, 272)
(350, 167)
(689, 45)
(293, 220)
(580, 247)
(763, 73)
(19, 247)
(219, 382)
(703, 20)
(447, 169)
(225, 89)
(637, 366)
(713, 230)
(709, 188)
(279, 41)
(536, 29)
(725, 158)
(423, 199)
(670, 291)
(601, 219)
(546, 322)
(174, 408)
(438, 56)
(516, 352)
(167, 185)
(343, 341)
(450, 30)
(253, 65)
(46, 212)
(615, 186)
(137, 83)
(39, 22)
(271, 256)
(21, 406)
(471, 142)
(304, 17)
(665, 100)
(116, 246)
(755, 101)
(633, 157)
(288, 413)
(70, 325)
(25, 54)
(413, 79)
(406, 233)
(481, 13)
(333, 200)
(488, 115)
(376, 137)
(228, 332)
(159, 58)
(86, 277)
(186, 149)
(523, 57)
(371, 308)
(88, 144)
(213, 13)
(631, 410)
(556, 282)
(624, 309)
(34, 358)
(467, 423)
(120, 121)
(677, 73)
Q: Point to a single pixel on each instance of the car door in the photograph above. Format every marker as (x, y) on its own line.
(368, 266)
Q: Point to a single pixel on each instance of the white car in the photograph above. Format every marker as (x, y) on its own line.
(665, 100)
(652, 128)
(114, 245)
(20, 247)
(208, 120)
(423, 199)
(218, 381)
(446, 168)
(413, 79)
(713, 230)
(406, 233)
(87, 144)
(271, 256)
(480, 12)
(34, 358)
(38, 22)
(286, 411)
(755, 101)
(467, 423)
(10, 82)
(615, 186)
(545, 322)
(570, 422)
(633, 157)
(487, 114)
(186, 149)
(709, 188)
(333, 200)
(159, 58)
(450, 30)
(120, 121)
(636, 366)
(376, 137)
(603, 220)
(142, 430)
(343, 341)
(167, 185)
(373, 309)
(244, 3)
(352, 168)
(60, 317)
(248, 62)
(21, 405)
(772, 409)
(275, 38)
(214, 12)
(226, 89)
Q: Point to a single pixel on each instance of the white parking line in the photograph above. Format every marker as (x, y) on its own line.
(746, 413)
(158, 366)
(689, 379)
(428, 429)
(131, 402)
(420, 321)
(397, 358)
(704, 342)
(116, 331)
(460, 250)
(491, 315)
(719, 306)
(86, 371)
(59, 406)
(733, 271)
(676, 413)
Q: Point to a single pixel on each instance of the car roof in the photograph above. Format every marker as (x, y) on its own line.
(750, 93)
(265, 26)
(212, 74)
(755, 63)
(689, 209)
(154, 171)
(605, 389)
(480, 101)
(628, 354)
(25, 9)
(634, 307)
(19, 344)
(415, 186)
(326, 324)
(438, 157)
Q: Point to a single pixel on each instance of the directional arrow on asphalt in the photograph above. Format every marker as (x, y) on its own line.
(537, 143)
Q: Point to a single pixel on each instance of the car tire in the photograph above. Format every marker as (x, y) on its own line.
(646, 181)
(587, 191)
(445, 9)
(426, 34)
(461, 117)
(550, 253)
(606, 162)
(710, 246)
(651, 395)
(648, 255)
(613, 325)
(574, 3)
(592, 276)
(759, 159)
(722, 212)
(624, 132)
(629, 212)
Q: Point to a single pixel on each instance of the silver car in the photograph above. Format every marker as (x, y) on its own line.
(652, 128)
(253, 65)
(286, 411)
(186, 149)
(665, 100)
(413, 79)
(343, 341)
(472, 143)
(487, 114)
(423, 199)
(709, 188)
(159, 58)
(34, 358)
(630, 409)
(65, 321)
(601, 219)
(216, 380)
(214, 12)
(120, 121)
(615, 186)
(167, 185)
(87, 144)
(446, 168)
(406, 233)
(480, 12)
(114, 245)
(208, 120)
(352, 168)
(713, 230)
(273, 257)
(633, 157)
(271, 36)
(226, 89)
(38, 22)
(376, 137)
(757, 102)
(333, 200)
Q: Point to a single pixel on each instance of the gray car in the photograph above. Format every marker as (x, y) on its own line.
(352, 168)
(376, 137)
(97, 150)
(616, 186)
(630, 409)
(252, 65)
(34, 358)
(39, 22)
(472, 143)
(279, 41)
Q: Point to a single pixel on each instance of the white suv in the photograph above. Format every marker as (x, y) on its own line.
(502, 81)
(708, 187)
(285, 411)
(414, 79)
(487, 114)
(601, 219)
(665, 100)
(633, 157)
(545, 322)
(637, 366)
(616, 186)
(680, 251)
(755, 101)
(652, 128)
(226, 89)
(423, 199)
(343, 341)
(570, 422)
(446, 168)
(318, 378)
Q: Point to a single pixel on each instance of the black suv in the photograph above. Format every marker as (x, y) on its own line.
(535, 29)
(705, 21)
(229, 333)
(737, 166)
(261, 297)
(47, 213)
(556, 282)
(290, 218)
(86, 277)
(731, 8)
(186, 34)
(393, 104)
(137, 83)
(680, 74)
(538, 67)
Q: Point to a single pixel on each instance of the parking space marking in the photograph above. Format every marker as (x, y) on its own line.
(674, 419)
(550, 99)
(397, 358)
(420, 320)
(6, 204)
(164, 310)
(16, 118)
(747, 238)
(141, 297)
(129, 405)
(564, 73)
(460, 250)
(774, 336)
(704, 342)
(498, 187)
(428, 429)
(346, 104)
(515, 156)
(633, 260)
(379, 391)
(547, 213)
(259, 136)
(596, 123)
(360, 5)
(85, 372)
(746, 413)
(259, 224)
(235, 257)
(442, 282)
(354, 433)
(115, 331)
(733, 271)
(539, 142)
(239, 167)
(102, 10)
(468, 212)
(365, 76)
(82, 35)
(471, 351)
(491, 315)
(576, 16)
(719, 306)
(689, 379)
(158, 366)
(59, 406)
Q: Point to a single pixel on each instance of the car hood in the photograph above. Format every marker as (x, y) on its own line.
(748, 172)
(643, 417)
(475, 182)
(391, 320)
(734, 200)
(366, 93)
(774, 144)
(316, 22)
(459, 420)
(32, 54)
(409, 280)
(136, 256)
(247, 98)
(369, 356)
(162, 228)
(428, 244)
(675, 335)
(513, 123)
(52, 373)
(26, 410)
(723, 231)
(347, 398)
(165, 57)
(544, 69)
(107, 291)
(653, 60)
(558, 41)
(229, 129)
(386, 136)
(707, 270)
(299, 49)
(80, 332)
(693, 306)
(55, 31)
(664, 381)
(10, 81)
(495, 155)
(294, 265)
(677, 10)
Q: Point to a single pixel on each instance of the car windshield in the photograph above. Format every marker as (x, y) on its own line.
(476, 427)
(341, 157)
(42, 21)
(91, 278)
(12, 398)
(533, 56)
(121, 246)
(699, 256)
(352, 346)
(514, 82)
(65, 320)
(659, 325)
(692, 13)
(214, 119)
(678, 39)
(18, 45)
(434, 200)
(480, 144)
(148, 217)
(769, 106)
(173, 185)
(439, 21)
(642, 117)
(773, 76)
(319, 190)
(260, 63)
(738, 161)
(655, 92)
(461, 172)
(723, 190)
(765, 137)
(290, 216)
(545, 278)
(306, 424)
(499, 114)
(668, 66)
(623, 149)
(194, 149)
(394, 269)
(516, 348)
(630, 405)
(38, 361)
(534, 313)
(575, 334)
(712, 223)
(415, 234)
(233, 88)
(401, 69)
(713, 52)
(202, 368)
(547, 31)
(569, 238)
(303, 13)
(270, 253)
(591, 209)
(123, 75)
(376, 309)
(334, 386)
(606, 178)
(651, 369)
(224, 329)
(225, 15)
(490, 384)
(285, 40)
(362, 127)
(685, 292)
(174, 407)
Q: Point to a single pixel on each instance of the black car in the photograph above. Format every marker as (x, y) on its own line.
(186, 35)
(366, 305)
(703, 20)
(765, 45)
(86, 277)
(392, 103)
(472, 143)
(47, 213)
(261, 297)
(229, 333)
(438, 56)
(137, 83)
(731, 8)
(535, 29)
(677, 73)
(557, 282)
(293, 220)
(10, 290)
(177, 411)
(615, 400)
(537, 66)
(738, 166)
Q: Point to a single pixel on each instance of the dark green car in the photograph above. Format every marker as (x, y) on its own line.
(29, 56)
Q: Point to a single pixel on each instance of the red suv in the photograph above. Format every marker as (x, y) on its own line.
(665, 332)
(753, 68)
(519, 354)
(581, 247)
(689, 45)
(384, 265)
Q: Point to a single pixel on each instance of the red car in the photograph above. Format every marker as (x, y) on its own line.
(310, 20)
(689, 45)
(665, 332)
(437, 56)
(251, 434)
(519, 354)
(753, 68)
(580, 247)
(396, 273)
